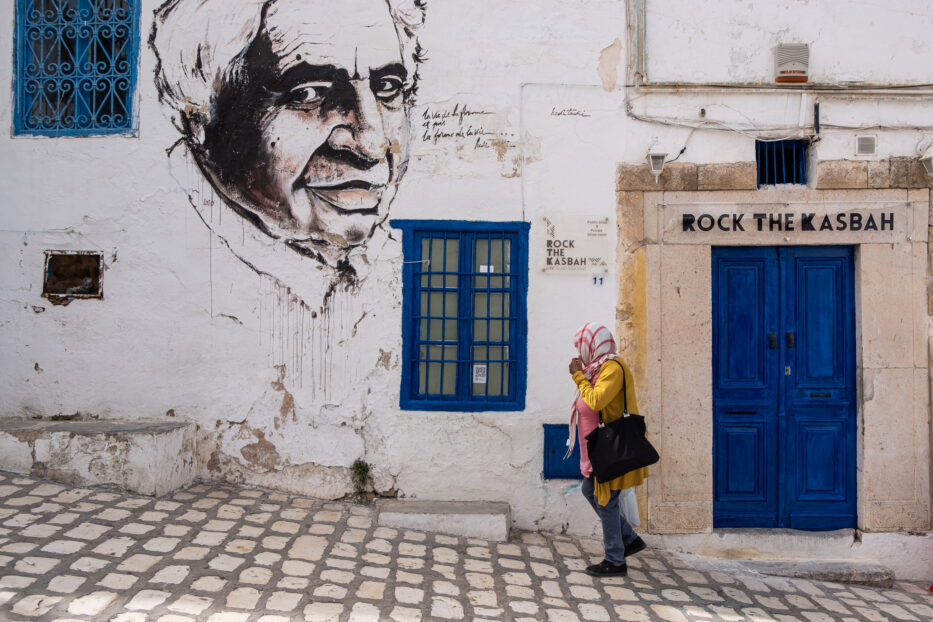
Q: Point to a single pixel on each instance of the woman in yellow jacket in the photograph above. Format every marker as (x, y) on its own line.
(598, 375)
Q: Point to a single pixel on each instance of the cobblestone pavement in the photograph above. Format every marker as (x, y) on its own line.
(230, 554)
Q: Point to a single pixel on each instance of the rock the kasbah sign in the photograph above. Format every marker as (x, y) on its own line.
(575, 244)
(805, 223)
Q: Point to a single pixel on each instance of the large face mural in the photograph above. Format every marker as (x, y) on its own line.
(295, 111)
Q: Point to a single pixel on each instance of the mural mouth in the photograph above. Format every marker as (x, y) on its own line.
(350, 196)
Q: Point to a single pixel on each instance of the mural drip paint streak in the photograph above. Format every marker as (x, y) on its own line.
(294, 120)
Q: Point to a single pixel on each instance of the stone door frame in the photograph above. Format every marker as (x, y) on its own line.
(664, 326)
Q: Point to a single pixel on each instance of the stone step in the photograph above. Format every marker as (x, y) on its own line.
(147, 457)
(486, 520)
(850, 555)
(839, 571)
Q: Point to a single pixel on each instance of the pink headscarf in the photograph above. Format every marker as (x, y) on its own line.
(595, 345)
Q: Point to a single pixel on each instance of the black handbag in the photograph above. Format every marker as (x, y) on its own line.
(619, 447)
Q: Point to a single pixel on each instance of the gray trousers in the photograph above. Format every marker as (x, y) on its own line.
(617, 532)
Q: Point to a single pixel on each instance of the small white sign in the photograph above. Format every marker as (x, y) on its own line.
(576, 243)
(479, 374)
(483, 269)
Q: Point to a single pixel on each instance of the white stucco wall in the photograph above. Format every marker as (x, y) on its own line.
(732, 41)
(287, 400)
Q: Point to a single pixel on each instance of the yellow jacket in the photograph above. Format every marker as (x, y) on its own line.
(606, 397)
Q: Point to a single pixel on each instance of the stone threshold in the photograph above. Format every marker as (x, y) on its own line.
(842, 556)
(835, 571)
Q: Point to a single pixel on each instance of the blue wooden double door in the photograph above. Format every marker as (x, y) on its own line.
(784, 387)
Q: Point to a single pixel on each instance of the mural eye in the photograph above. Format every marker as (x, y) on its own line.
(388, 88)
(308, 94)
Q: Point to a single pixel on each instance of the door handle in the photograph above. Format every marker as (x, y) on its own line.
(772, 341)
(789, 336)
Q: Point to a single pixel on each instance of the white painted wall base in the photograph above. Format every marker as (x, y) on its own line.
(150, 458)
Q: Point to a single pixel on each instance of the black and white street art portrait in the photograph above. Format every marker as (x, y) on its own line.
(293, 118)
(296, 114)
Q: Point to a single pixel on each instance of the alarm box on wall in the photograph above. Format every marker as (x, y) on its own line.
(791, 62)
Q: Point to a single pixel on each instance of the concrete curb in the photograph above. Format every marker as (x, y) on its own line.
(874, 575)
(487, 520)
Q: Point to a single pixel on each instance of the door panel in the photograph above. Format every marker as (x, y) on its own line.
(745, 386)
(744, 445)
(819, 466)
(784, 387)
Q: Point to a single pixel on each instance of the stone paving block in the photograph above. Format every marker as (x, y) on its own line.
(283, 601)
(330, 591)
(118, 581)
(243, 598)
(63, 547)
(35, 605)
(92, 604)
(36, 565)
(323, 612)
(293, 583)
(171, 574)
(405, 614)
(226, 563)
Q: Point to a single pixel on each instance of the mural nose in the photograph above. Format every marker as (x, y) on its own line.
(363, 133)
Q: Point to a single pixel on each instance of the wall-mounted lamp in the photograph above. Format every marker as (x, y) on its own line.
(925, 153)
(656, 159)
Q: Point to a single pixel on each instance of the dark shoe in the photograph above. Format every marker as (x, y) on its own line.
(607, 569)
(635, 546)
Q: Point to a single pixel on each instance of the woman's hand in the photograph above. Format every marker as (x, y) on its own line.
(575, 365)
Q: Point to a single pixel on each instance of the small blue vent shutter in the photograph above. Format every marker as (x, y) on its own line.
(555, 446)
(781, 162)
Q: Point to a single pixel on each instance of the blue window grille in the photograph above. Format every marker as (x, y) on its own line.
(781, 162)
(75, 67)
(464, 320)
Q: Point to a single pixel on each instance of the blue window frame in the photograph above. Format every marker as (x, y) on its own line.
(75, 67)
(781, 162)
(464, 322)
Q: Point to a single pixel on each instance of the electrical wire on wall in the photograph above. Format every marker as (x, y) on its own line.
(756, 132)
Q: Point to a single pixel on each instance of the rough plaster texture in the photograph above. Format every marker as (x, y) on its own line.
(151, 458)
(288, 394)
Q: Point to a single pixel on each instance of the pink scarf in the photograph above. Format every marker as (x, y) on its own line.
(595, 345)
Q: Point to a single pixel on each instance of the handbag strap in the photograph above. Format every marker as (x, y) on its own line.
(624, 393)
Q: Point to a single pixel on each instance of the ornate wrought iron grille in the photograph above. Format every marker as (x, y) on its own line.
(75, 66)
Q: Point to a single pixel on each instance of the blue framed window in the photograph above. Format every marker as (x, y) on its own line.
(781, 162)
(464, 322)
(75, 67)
